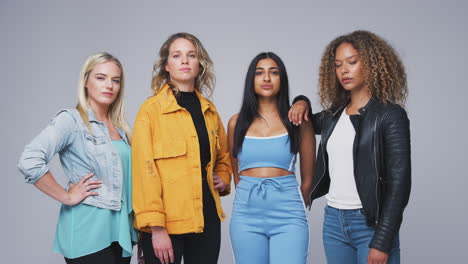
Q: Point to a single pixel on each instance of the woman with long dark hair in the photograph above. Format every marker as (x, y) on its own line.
(269, 223)
(180, 157)
(364, 163)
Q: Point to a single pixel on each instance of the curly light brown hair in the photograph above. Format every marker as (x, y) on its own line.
(205, 80)
(384, 73)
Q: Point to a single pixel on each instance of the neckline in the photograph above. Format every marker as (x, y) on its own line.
(191, 94)
(275, 136)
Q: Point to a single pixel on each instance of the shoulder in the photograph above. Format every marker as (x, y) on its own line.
(152, 101)
(67, 117)
(324, 115)
(233, 121)
(393, 117)
(151, 105)
(71, 112)
(393, 112)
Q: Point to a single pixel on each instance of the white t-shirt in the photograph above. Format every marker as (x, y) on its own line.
(343, 193)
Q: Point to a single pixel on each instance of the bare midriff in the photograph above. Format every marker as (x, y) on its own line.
(265, 172)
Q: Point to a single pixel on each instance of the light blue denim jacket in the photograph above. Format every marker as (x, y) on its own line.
(81, 152)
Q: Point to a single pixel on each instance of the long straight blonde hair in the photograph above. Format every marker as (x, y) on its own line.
(116, 109)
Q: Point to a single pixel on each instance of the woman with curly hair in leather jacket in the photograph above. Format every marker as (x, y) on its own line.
(363, 162)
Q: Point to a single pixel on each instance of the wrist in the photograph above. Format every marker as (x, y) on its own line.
(65, 198)
(157, 229)
(306, 187)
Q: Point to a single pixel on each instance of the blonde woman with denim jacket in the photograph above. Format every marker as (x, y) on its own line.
(180, 158)
(93, 142)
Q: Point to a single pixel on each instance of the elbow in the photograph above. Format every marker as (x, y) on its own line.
(32, 171)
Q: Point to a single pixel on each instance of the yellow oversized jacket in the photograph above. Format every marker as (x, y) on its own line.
(166, 170)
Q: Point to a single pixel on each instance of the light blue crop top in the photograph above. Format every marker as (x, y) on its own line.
(266, 152)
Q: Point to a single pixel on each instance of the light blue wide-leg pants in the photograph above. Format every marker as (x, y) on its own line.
(269, 223)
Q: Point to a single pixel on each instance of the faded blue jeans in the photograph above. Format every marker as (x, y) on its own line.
(346, 237)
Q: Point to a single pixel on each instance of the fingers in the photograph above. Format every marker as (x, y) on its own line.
(290, 114)
(171, 255)
(297, 118)
(85, 178)
(165, 256)
(93, 185)
(219, 186)
(162, 245)
(294, 115)
(91, 194)
(217, 180)
(298, 112)
(159, 255)
(82, 189)
(218, 183)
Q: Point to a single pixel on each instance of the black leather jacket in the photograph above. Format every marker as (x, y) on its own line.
(382, 164)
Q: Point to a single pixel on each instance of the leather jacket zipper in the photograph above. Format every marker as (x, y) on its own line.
(325, 167)
(323, 174)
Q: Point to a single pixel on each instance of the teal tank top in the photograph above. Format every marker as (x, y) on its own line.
(84, 229)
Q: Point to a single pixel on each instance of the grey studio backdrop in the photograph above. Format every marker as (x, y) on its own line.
(44, 43)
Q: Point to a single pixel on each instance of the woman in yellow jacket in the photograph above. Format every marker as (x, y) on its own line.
(180, 159)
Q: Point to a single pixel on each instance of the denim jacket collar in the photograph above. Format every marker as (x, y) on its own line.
(92, 118)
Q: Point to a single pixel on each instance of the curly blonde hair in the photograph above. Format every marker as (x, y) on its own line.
(204, 82)
(383, 71)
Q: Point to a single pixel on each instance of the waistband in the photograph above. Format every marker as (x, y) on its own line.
(260, 185)
(344, 210)
(283, 181)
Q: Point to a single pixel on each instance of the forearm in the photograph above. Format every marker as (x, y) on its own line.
(307, 156)
(236, 178)
(397, 178)
(391, 216)
(223, 166)
(147, 195)
(48, 185)
(306, 189)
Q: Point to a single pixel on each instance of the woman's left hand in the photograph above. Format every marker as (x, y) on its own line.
(218, 183)
(377, 257)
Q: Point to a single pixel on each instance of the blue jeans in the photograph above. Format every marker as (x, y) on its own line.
(346, 237)
(268, 223)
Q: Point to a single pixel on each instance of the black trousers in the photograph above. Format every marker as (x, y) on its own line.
(194, 248)
(110, 255)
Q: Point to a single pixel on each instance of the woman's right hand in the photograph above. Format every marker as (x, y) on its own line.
(162, 245)
(298, 112)
(82, 189)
